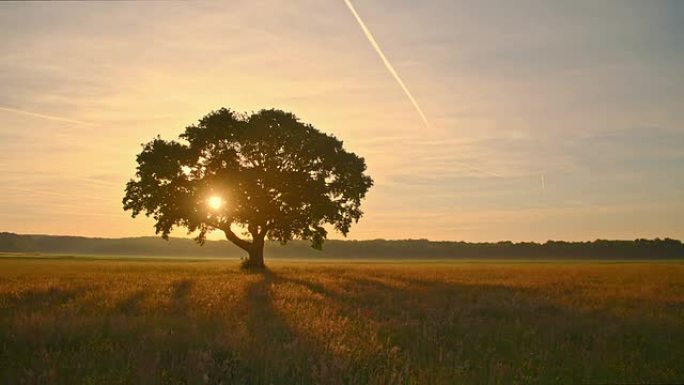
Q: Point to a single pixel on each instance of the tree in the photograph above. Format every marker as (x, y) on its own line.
(267, 173)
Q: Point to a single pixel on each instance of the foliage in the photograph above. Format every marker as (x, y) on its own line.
(280, 178)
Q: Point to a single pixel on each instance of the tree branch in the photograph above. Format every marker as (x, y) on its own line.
(241, 243)
(264, 230)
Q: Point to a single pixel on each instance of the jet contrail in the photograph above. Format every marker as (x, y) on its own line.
(394, 73)
(37, 115)
(543, 185)
(477, 169)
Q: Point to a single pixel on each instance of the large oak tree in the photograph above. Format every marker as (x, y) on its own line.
(266, 173)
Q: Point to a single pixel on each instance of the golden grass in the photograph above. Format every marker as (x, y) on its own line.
(163, 322)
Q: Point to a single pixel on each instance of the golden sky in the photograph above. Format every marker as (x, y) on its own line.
(544, 120)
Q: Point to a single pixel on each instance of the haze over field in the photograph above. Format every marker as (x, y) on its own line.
(542, 120)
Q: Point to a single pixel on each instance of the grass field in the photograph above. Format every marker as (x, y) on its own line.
(80, 321)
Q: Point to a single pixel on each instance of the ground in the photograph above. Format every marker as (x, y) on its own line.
(113, 321)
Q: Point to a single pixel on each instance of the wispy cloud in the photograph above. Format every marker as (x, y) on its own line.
(389, 66)
(39, 115)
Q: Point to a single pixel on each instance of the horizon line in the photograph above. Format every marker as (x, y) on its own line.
(664, 238)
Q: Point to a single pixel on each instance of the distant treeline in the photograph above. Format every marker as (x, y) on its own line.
(386, 249)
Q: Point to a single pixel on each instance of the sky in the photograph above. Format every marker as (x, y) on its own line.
(542, 120)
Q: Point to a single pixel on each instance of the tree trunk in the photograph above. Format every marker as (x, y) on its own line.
(255, 260)
(255, 249)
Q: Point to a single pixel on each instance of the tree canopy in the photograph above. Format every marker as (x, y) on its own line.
(267, 172)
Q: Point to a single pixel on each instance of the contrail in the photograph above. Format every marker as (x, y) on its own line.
(37, 115)
(543, 185)
(54, 193)
(477, 169)
(394, 73)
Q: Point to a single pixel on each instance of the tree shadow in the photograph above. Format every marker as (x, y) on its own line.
(501, 334)
(132, 304)
(180, 291)
(272, 339)
(427, 331)
(42, 299)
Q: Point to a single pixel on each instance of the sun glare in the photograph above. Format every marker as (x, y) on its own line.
(215, 202)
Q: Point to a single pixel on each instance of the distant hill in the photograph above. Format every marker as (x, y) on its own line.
(385, 249)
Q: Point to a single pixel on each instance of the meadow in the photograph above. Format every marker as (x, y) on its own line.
(86, 321)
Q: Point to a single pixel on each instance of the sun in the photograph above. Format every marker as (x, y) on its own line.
(215, 202)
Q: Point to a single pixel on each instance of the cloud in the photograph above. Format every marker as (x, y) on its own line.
(39, 115)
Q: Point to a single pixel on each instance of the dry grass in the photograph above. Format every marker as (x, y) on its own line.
(97, 322)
